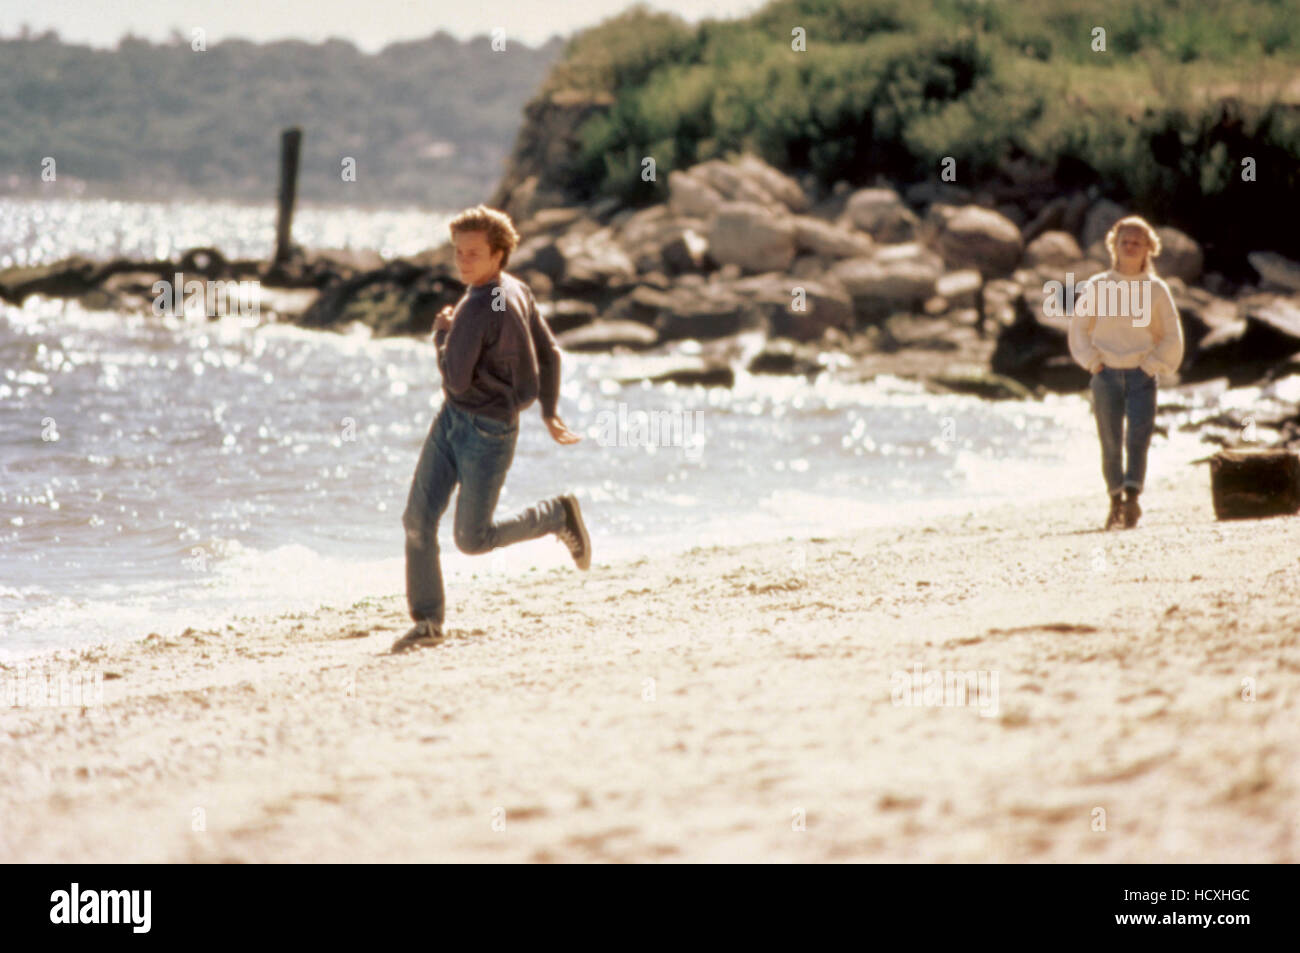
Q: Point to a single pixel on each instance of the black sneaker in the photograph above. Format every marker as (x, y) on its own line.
(422, 635)
(574, 535)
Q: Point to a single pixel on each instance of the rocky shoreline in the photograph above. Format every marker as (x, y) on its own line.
(745, 268)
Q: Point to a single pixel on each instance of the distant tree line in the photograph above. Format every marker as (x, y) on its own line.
(428, 122)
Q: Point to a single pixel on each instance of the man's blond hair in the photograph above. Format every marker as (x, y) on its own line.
(500, 230)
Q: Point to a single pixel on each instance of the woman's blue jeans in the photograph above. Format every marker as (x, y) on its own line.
(476, 452)
(1120, 395)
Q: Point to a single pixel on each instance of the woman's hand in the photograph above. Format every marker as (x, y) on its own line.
(443, 321)
(559, 432)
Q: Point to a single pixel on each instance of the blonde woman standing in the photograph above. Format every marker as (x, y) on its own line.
(1125, 330)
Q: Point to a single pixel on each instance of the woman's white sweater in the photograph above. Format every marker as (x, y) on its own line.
(1126, 321)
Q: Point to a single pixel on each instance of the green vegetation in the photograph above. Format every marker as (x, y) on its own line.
(891, 87)
(164, 120)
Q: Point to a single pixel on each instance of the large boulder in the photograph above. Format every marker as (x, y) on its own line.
(669, 245)
(881, 214)
(689, 195)
(1201, 312)
(1054, 248)
(750, 236)
(749, 179)
(775, 182)
(1276, 269)
(1266, 334)
(593, 262)
(975, 237)
(718, 312)
(644, 225)
(1180, 256)
(880, 286)
(799, 309)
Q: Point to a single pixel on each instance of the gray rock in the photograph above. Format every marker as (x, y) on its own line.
(960, 288)
(799, 309)
(750, 236)
(811, 266)
(980, 238)
(774, 182)
(739, 181)
(820, 238)
(540, 253)
(687, 250)
(689, 195)
(1180, 256)
(1053, 247)
(881, 287)
(606, 335)
(592, 262)
(881, 214)
(1276, 269)
(717, 314)
(567, 314)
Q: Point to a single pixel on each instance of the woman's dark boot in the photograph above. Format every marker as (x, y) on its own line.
(1115, 518)
(1131, 509)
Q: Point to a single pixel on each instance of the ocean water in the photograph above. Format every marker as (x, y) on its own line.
(158, 473)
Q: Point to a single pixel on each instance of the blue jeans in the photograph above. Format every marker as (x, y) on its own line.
(474, 451)
(1120, 394)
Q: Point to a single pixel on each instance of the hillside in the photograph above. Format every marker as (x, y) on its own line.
(425, 121)
(885, 91)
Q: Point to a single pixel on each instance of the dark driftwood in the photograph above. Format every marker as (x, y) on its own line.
(290, 143)
(1252, 483)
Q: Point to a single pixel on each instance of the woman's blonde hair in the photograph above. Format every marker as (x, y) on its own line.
(1138, 222)
(500, 230)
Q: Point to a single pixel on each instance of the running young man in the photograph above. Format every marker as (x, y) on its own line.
(497, 356)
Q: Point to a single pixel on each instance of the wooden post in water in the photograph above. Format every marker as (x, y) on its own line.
(290, 143)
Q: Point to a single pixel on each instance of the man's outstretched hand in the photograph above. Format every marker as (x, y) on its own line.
(559, 432)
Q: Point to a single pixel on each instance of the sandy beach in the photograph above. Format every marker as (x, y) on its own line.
(1141, 702)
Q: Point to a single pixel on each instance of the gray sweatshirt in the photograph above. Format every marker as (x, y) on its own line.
(499, 355)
